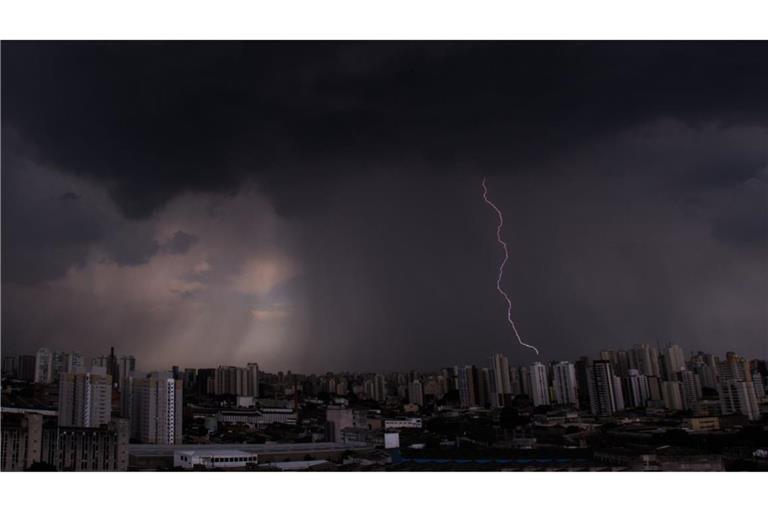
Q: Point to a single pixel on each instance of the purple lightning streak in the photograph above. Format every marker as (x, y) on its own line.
(501, 268)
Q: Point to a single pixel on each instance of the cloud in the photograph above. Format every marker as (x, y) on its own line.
(180, 242)
(297, 117)
(342, 179)
(271, 312)
(259, 277)
(173, 307)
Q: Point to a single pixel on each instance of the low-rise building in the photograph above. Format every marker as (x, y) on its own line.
(258, 418)
(705, 424)
(213, 459)
(398, 423)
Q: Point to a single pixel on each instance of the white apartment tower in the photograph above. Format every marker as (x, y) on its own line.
(85, 398)
(157, 406)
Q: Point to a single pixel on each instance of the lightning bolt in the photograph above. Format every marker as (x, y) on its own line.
(501, 268)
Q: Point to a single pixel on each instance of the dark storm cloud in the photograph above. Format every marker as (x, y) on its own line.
(150, 120)
(743, 219)
(131, 247)
(180, 242)
(45, 231)
(632, 177)
(602, 255)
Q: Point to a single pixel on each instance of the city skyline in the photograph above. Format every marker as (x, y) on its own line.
(102, 361)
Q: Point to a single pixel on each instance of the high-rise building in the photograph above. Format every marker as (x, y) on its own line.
(707, 374)
(467, 390)
(636, 392)
(610, 356)
(379, 388)
(484, 387)
(21, 441)
(58, 365)
(10, 366)
(515, 381)
(232, 380)
(369, 388)
(692, 391)
(205, 382)
(127, 404)
(85, 398)
(601, 389)
(618, 393)
(73, 362)
(654, 389)
(646, 359)
(29, 438)
(734, 367)
(565, 383)
(449, 377)
(26, 368)
(539, 384)
(672, 394)
(738, 396)
(674, 360)
(416, 393)
(583, 368)
(501, 385)
(113, 368)
(100, 361)
(435, 386)
(126, 365)
(157, 403)
(622, 363)
(759, 385)
(190, 380)
(44, 366)
(103, 448)
(525, 380)
(253, 379)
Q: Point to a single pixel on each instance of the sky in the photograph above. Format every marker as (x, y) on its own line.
(316, 206)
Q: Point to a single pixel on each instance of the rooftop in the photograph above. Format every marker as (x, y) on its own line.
(159, 450)
(215, 452)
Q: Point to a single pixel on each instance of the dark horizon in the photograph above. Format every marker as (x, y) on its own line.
(317, 205)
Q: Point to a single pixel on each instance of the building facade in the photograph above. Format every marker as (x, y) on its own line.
(539, 384)
(738, 397)
(30, 438)
(156, 417)
(601, 388)
(565, 383)
(85, 398)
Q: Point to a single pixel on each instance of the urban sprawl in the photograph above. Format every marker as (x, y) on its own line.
(645, 408)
